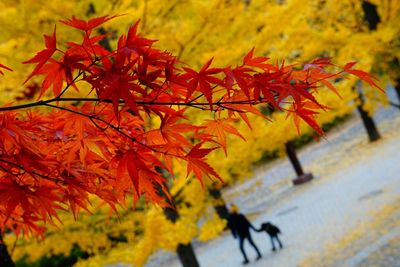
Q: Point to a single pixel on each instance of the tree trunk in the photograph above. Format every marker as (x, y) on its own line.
(397, 89)
(5, 258)
(219, 203)
(186, 255)
(371, 15)
(368, 122)
(185, 252)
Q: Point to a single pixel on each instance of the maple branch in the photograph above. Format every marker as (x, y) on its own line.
(197, 97)
(80, 72)
(70, 83)
(232, 109)
(116, 128)
(8, 171)
(93, 117)
(56, 180)
(75, 99)
(28, 105)
(326, 78)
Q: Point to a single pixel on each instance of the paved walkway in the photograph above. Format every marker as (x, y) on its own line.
(347, 216)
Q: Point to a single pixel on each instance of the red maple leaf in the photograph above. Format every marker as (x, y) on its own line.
(258, 62)
(43, 56)
(219, 129)
(197, 164)
(365, 76)
(307, 111)
(202, 80)
(87, 25)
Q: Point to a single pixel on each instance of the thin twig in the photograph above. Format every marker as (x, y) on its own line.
(56, 180)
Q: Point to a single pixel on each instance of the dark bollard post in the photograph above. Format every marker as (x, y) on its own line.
(291, 152)
(301, 176)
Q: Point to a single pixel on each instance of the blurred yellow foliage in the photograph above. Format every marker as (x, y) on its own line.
(212, 228)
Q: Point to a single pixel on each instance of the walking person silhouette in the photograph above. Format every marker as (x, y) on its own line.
(240, 227)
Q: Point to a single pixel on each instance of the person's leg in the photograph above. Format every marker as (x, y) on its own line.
(254, 246)
(272, 243)
(241, 241)
(279, 241)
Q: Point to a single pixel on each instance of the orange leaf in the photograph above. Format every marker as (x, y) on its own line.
(197, 164)
(43, 56)
(87, 25)
(219, 129)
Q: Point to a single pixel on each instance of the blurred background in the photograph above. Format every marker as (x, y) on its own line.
(335, 199)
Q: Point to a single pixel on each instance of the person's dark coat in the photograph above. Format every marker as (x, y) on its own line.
(239, 225)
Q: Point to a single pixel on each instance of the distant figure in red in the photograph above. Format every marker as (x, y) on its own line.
(273, 232)
(240, 226)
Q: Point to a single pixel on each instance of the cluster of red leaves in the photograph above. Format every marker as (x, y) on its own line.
(53, 158)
